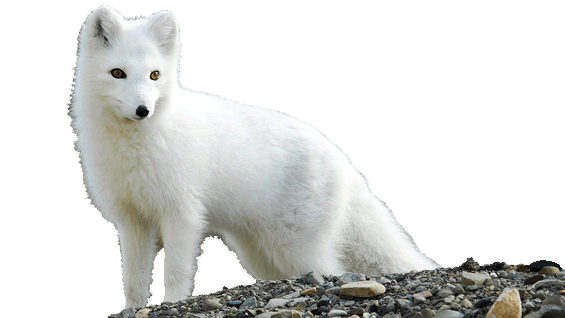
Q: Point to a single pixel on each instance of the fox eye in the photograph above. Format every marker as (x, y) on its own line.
(154, 75)
(117, 73)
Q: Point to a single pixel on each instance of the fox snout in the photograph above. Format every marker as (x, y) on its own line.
(142, 111)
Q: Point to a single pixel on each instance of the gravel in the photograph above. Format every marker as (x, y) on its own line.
(467, 291)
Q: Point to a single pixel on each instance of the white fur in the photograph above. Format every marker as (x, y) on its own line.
(275, 189)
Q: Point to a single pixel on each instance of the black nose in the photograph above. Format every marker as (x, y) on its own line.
(142, 111)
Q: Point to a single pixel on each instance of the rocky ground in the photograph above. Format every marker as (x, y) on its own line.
(496, 290)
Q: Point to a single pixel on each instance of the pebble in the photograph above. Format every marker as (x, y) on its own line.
(428, 313)
(347, 278)
(444, 293)
(554, 300)
(466, 303)
(426, 294)
(314, 278)
(449, 299)
(276, 302)
(548, 270)
(336, 313)
(250, 302)
(364, 289)
(551, 283)
(286, 314)
(172, 311)
(507, 305)
(308, 291)
(143, 313)
(402, 304)
(213, 303)
(474, 278)
(234, 303)
(551, 311)
(418, 300)
(409, 295)
(291, 295)
(449, 314)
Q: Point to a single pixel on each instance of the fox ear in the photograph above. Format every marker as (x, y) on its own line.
(103, 26)
(164, 28)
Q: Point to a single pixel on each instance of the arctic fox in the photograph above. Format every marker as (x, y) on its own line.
(169, 166)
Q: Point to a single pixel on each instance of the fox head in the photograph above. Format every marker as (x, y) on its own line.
(129, 65)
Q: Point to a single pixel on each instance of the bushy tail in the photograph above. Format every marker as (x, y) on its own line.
(374, 242)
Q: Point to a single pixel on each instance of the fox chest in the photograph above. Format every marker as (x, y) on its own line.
(146, 177)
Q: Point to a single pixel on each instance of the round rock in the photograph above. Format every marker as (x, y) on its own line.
(363, 289)
(549, 270)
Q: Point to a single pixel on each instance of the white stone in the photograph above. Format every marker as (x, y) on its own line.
(363, 289)
(474, 278)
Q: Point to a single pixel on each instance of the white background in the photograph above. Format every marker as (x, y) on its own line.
(453, 111)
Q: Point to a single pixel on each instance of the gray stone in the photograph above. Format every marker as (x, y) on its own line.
(250, 302)
(276, 302)
(292, 295)
(212, 303)
(553, 283)
(528, 305)
(541, 295)
(418, 300)
(449, 314)
(296, 301)
(533, 314)
(458, 290)
(555, 300)
(444, 293)
(502, 274)
(560, 274)
(172, 311)
(403, 304)
(349, 303)
(551, 311)
(314, 278)
(449, 299)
